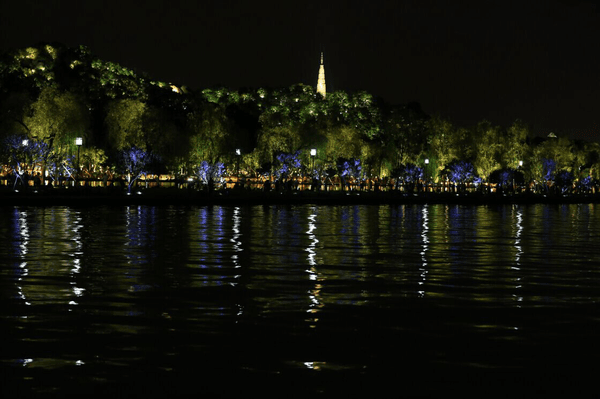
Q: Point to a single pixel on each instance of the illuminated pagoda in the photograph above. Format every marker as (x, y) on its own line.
(321, 82)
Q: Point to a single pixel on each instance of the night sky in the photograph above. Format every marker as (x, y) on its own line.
(463, 60)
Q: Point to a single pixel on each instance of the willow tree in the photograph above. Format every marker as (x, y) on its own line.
(276, 136)
(488, 149)
(164, 139)
(403, 136)
(343, 141)
(57, 118)
(515, 144)
(124, 123)
(209, 134)
(444, 142)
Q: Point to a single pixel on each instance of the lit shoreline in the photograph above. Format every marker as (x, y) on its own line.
(100, 197)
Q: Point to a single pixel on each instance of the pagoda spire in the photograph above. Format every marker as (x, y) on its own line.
(321, 82)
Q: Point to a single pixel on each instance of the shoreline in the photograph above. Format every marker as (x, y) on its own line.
(168, 197)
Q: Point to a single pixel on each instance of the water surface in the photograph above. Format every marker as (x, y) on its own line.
(423, 300)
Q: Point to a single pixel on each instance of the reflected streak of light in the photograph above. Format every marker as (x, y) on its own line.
(518, 247)
(23, 232)
(77, 253)
(24, 243)
(313, 293)
(518, 233)
(235, 239)
(424, 236)
(312, 253)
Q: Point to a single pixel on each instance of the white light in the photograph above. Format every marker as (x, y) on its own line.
(426, 161)
(238, 152)
(520, 163)
(25, 142)
(78, 141)
(313, 152)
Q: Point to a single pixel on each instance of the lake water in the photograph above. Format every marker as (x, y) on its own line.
(289, 301)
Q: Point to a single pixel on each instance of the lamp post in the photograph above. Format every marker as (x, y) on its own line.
(426, 177)
(238, 153)
(78, 143)
(313, 154)
(520, 166)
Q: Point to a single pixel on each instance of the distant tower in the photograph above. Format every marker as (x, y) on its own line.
(321, 81)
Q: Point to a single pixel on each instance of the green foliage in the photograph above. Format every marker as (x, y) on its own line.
(489, 149)
(124, 124)
(209, 136)
(53, 94)
(56, 118)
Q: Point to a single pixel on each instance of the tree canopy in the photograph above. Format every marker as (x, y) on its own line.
(51, 94)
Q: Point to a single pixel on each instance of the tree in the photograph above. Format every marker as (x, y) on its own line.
(409, 175)
(460, 173)
(403, 135)
(22, 155)
(343, 141)
(209, 136)
(514, 145)
(488, 149)
(135, 163)
(92, 159)
(443, 141)
(125, 124)
(287, 165)
(57, 118)
(349, 169)
(209, 173)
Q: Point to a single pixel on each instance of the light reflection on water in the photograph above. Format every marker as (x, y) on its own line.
(122, 292)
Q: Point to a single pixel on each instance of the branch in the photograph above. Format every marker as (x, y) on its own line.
(20, 122)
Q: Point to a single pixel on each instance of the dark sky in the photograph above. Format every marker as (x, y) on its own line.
(464, 60)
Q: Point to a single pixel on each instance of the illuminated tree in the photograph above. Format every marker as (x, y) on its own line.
(209, 174)
(564, 181)
(409, 175)
(276, 139)
(22, 155)
(348, 170)
(287, 165)
(135, 163)
(514, 145)
(343, 141)
(488, 149)
(443, 140)
(460, 173)
(92, 159)
(404, 135)
(57, 118)
(125, 124)
(210, 139)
